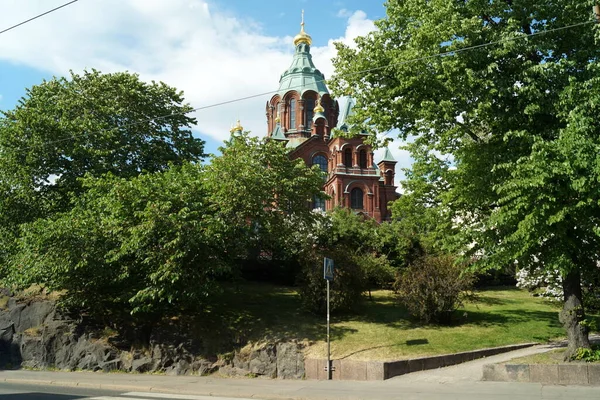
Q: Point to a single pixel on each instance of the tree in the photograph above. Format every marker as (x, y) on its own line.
(261, 196)
(92, 124)
(513, 103)
(351, 241)
(140, 246)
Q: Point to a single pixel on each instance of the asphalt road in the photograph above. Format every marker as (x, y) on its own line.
(12, 391)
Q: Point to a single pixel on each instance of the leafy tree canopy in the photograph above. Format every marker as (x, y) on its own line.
(92, 124)
(516, 120)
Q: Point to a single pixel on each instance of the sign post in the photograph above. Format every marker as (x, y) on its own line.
(328, 275)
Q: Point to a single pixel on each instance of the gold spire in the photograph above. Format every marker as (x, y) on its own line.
(319, 108)
(277, 119)
(302, 37)
(237, 127)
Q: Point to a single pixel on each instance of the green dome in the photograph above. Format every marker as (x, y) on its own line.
(302, 75)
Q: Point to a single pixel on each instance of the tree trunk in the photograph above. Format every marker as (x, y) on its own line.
(573, 313)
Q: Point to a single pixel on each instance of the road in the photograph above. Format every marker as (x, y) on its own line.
(14, 391)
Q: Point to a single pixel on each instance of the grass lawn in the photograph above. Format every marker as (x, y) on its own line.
(383, 330)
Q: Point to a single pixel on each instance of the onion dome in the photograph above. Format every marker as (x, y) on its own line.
(237, 128)
(302, 37)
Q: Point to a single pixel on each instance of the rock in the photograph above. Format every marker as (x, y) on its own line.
(33, 315)
(144, 364)
(181, 367)
(290, 360)
(32, 352)
(263, 361)
(110, 365)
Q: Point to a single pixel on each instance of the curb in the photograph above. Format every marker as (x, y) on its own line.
(555, 374)
(377, 371)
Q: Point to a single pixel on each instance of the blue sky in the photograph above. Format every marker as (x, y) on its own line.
(213, 50)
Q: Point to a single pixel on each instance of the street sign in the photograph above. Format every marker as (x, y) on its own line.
(328, 268)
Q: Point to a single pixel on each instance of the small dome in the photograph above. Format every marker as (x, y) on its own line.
(302, 37)
(319, 108)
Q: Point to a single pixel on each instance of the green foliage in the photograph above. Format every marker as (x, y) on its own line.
(589, 355)
(505, 136)
(141, 246)
(158, 244)
(261, 197)
(350, 240)
(433, 287)
(90, 124)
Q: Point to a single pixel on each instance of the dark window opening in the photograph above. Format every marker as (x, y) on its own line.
(292, 114)
(348, 158)
(318, 203)
(362, 159)
(356, 199)
(309, 106)
(321, 161)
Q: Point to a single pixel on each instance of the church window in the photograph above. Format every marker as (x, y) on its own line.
(309, 107)
(318, 203)
(362, 159)
(292, 113)
(348, 158)
(356, 199)
(321, 161)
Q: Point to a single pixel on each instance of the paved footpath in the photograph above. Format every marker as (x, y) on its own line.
(456, 382)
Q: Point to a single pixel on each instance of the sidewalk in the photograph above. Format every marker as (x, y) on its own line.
(456, 382)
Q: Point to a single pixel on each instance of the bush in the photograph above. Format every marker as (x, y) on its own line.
(346, 290)
(588, 355)
(433, 287)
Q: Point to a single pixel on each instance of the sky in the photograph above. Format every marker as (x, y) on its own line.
(212, 50)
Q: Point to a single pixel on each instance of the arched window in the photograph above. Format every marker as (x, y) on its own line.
(362, 158)
(292, 120)
(348, 158)
(321, 161)
(318, 203)
(356, 199)
(309, 107)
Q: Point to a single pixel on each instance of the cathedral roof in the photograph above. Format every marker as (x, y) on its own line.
(278, 134)
(302, 75)
(345, 113)
(387, 156)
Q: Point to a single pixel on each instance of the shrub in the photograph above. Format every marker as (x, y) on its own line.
(588, 355)
(346, 290)
(433, 287)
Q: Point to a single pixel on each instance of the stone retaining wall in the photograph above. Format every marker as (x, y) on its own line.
(554, 374)
(380, 370)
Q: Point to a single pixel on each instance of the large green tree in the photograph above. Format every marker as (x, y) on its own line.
(141, 246)
(513, 102)
(262, 196)
(92, 124)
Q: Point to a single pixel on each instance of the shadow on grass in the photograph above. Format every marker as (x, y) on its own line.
(254, 312)
(510, 316)
(365, 350)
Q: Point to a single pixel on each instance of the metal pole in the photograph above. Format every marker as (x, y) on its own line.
(329, 372)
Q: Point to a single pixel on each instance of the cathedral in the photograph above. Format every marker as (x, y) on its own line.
(303, 115)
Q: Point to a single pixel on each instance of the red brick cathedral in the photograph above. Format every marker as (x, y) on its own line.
(303, 114)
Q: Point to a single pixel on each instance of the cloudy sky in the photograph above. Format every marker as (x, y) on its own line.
(213, 50)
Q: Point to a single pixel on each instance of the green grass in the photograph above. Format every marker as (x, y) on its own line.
(381, 329)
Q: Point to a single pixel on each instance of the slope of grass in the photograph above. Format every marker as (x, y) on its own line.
(381, 329)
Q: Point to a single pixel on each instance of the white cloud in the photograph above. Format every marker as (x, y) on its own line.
(344, 13)
(212, 56)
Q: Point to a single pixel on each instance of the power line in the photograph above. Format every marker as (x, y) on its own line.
(38, 16)
(219, 104)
